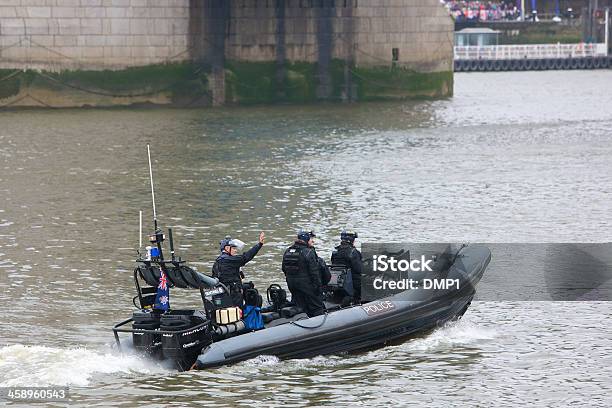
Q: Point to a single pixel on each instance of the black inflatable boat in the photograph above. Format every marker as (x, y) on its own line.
(217, 333)
(356, 327)
(198, 338)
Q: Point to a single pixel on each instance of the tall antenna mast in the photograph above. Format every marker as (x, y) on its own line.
(140, 230)
(152, 189)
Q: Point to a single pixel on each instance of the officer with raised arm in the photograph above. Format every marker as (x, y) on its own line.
(227, 267)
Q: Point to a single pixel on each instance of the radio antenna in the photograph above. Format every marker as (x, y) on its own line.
(139, 230)
(152, 189)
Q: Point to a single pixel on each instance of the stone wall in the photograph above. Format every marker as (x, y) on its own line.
(421, 30)
(92, 34)
(223, 51)
(366, 31)
(296, 50)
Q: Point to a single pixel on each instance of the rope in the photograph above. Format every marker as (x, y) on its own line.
(27, 95)
(51, 50)
(12, 74)
(39, 101)
(12, 45)
(6, 105)
(164, 61)
(312, 327)
(102, 93)
(380, 84)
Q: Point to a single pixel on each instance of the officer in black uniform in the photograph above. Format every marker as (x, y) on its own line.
(227, 267)
(303, 273)
(347, 255)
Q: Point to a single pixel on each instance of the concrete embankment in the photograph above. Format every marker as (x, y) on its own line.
(216, 52)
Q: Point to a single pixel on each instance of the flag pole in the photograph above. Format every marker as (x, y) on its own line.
(139, 230)
(152, 189)
(162, 297)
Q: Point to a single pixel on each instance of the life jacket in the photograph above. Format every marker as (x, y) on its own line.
(294, 261)
(226, 271)
(342, 255)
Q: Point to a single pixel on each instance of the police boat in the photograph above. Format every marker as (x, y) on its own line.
(218, 333)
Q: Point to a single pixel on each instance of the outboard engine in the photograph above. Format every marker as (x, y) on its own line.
(188, 336)
(146, 342)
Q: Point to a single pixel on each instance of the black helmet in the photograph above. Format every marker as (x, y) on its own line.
(348, 236)
(224, 242)
(305, 235)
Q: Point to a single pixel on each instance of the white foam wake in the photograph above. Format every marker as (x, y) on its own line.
(22, 365)
(460, 333)
(447, 338)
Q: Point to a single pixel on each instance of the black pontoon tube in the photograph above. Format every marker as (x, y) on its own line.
(230, 328)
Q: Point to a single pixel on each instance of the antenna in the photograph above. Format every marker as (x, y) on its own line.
(152, 189)
(171, 243)
(139, 230)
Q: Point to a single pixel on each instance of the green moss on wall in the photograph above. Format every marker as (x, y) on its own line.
(10, 82)
(301, 81)
(180, 79)
(377, 83)
(258, 82)
(182, 82)
(246, 82)
(250, 82)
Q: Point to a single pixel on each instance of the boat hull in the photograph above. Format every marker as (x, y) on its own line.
(376, 323)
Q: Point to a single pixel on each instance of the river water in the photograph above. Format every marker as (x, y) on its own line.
(512, 157)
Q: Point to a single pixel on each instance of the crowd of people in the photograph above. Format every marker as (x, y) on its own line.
(462, 10)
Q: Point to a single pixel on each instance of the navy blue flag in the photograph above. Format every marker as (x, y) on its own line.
(162, 299)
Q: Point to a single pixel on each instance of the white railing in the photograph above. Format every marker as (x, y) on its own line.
(529, 51)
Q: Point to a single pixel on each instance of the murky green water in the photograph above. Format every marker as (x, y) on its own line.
(513, 157)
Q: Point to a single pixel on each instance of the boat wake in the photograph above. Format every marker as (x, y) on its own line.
(456, 334)
(41, 366)
(460, 334)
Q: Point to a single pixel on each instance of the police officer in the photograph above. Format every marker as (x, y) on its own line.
(227, 267)
(303, 273)
(347, 255)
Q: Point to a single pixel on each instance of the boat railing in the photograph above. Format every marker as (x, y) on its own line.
(530, 51)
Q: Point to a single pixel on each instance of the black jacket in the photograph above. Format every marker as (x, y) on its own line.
(227, 267)
(324, 271)
(301, 264)
(347, 255)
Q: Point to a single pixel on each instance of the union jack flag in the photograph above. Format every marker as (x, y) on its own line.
(162, 298)
(163, 281)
